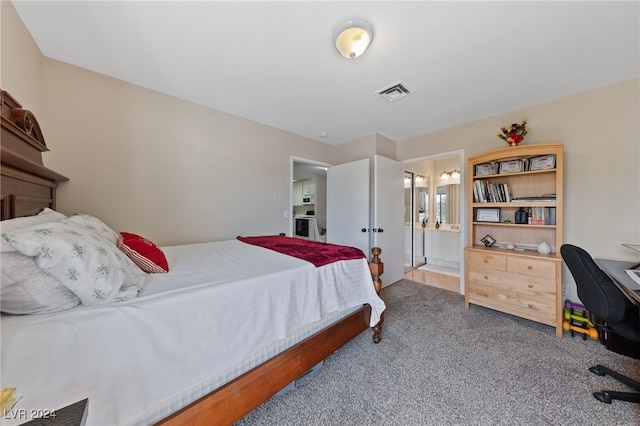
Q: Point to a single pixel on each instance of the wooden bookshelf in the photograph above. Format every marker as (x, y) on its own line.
(519, 281)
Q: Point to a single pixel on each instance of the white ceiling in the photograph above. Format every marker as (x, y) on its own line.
(274, 62)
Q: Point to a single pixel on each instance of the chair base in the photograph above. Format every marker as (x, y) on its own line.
(608, 396)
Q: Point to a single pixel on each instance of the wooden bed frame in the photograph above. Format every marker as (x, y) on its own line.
(28, 187)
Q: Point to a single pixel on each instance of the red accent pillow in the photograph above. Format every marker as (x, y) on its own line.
(143, 252)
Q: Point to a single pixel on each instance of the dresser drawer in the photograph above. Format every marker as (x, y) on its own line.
(486, 262)
(507, 283)
(520, 301)
(532, 267)
(534, 299)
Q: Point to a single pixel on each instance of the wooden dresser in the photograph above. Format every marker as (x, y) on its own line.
(526, 286)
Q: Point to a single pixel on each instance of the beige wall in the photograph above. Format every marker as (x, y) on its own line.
(20, 61)
(153, 164)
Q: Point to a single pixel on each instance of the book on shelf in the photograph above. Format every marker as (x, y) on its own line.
(543, 215)
(485, 191)
(550, 216)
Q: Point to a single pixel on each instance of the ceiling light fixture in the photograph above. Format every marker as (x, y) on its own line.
(353, 37)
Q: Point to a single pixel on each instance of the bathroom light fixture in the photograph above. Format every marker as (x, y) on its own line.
(454, 174)
(352, 37)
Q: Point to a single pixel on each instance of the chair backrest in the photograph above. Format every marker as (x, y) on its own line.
(597, 292)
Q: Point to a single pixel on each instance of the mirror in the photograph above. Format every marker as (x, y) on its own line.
(416, 199)
(423, 204)
(447, 208)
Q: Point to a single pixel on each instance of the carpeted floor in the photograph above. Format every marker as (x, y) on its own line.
(441, 364)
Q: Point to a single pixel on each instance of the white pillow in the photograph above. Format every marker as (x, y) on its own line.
(87, 264)
(12, 225)
(95, 225)
(27, 289)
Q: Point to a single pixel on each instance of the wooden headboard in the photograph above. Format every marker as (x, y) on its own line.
(27, 185)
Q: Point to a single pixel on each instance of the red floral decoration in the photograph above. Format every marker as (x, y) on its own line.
(514, 134)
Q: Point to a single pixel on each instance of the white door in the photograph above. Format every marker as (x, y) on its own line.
(348, 205)
(388, 216)
(350, 213)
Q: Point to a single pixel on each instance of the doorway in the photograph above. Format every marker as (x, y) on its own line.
(443, 236)
(308, 200)
(362, 206)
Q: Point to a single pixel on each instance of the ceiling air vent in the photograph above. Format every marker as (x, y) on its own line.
(393, 93)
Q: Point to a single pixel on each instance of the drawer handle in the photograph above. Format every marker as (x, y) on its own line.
(529, 267)
(530, 305)
(486, 277)
(530, 285)
(486, 261)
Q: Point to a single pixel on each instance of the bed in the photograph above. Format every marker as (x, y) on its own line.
(158, 357)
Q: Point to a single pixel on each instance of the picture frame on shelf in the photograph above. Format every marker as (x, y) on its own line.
(486, 169)
(512, 166)
(488, 215)
(543, 162)
(488, 240)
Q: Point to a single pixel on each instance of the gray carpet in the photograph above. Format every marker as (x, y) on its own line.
(441, 364)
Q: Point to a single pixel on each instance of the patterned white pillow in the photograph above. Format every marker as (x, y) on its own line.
(95, 225)
(27, 289)
(12, 225)
(90, 266)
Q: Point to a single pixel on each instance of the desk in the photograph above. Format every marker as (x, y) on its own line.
(635, 247)
(616, 270)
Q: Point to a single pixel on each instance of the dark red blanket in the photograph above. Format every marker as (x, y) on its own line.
(317, 253)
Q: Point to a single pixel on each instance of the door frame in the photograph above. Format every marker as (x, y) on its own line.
(463, 202)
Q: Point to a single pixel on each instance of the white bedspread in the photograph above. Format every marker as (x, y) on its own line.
(224, 307)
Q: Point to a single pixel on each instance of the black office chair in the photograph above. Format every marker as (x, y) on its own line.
(612, 313)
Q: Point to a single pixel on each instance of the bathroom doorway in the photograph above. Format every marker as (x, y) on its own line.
(443, 237)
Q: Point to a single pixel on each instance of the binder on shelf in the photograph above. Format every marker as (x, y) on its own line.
(549, 215)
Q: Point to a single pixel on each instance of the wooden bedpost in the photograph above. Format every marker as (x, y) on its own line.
(377, 268)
